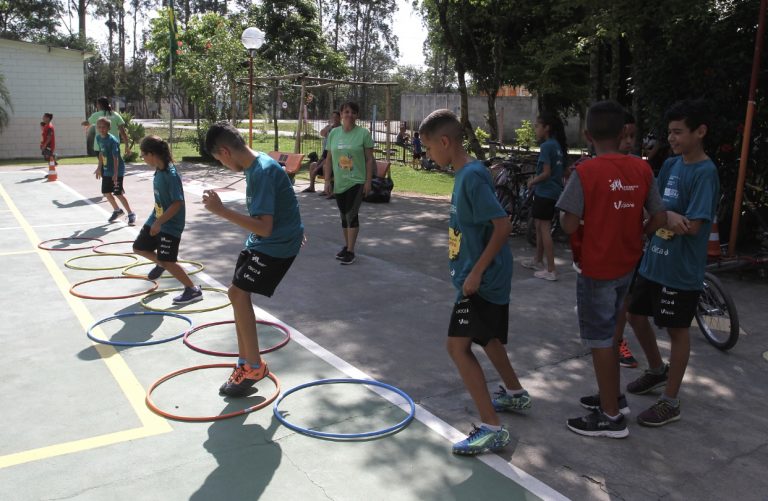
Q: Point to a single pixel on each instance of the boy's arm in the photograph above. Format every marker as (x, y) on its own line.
(98, 167)
(258, 225)
(167, 215)
(116, 164)
(654, 206)
(501, 229)
(571, 204)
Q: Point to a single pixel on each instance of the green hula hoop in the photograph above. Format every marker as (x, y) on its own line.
(200, 267)
(143, 301)
(68, 262)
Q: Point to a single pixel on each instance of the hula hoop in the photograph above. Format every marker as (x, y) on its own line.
(41, 246)
(104, 254)
(321, 434)
(197, 419)
(143, 301)
(97, 251)
(76, 294)
(92, 337)
(200, 267)
(229, 354)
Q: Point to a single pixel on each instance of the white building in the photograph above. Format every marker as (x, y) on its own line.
(42, 79)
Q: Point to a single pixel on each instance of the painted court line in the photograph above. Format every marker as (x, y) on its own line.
(442, 428)
(152, 424)
(55, 225)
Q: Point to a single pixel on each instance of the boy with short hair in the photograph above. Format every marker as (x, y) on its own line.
(111, 171)
(608, 193)
(48, 140)
(672, 271)
(276, 234)
(481, 270)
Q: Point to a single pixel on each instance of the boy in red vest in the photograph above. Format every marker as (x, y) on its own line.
(48, 139)
(607, 192)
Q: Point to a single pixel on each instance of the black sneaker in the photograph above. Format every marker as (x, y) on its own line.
(348, 258)
(155, 273)
(131, 219)
(597, 424)
(190, 295)
(115, 214)
(343, 252)
(648, 382)
(592, 402)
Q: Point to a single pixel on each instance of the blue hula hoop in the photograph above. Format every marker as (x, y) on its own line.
(321, 434)
(91, 336)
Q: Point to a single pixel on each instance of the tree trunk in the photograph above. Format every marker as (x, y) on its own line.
(337, 22)
(493, 123)
(81, 17)
(614, 83)
(474, 144)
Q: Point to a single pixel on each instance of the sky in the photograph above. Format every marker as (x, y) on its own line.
(407, 25)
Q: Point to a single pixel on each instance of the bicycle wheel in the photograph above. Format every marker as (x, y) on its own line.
(716, 314)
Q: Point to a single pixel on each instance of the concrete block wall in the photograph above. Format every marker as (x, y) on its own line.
(42, 80)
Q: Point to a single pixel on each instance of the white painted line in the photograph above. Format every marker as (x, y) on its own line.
(102, 221)
(529, 482)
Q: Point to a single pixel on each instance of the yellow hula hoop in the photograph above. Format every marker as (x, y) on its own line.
(68, 262)
(200, 267)
(143, 301)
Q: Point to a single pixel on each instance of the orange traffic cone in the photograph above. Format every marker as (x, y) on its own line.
(713, 247)
(52, 169)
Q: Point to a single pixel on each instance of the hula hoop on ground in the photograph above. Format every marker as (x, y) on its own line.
(101, 254)
(197, 419)
(370, 434)
(84, 296)
(200, 267)
(97, 251)
(232, 354)
(41, 246)
(143, 301)
(92, 337)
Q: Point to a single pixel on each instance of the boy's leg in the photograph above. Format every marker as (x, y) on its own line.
(111, 199)
(641, 325)
(606, 364)
(245, 323)
(460, 350)
(124, 201)
(177, 271)
(498, 356)
(678, 359)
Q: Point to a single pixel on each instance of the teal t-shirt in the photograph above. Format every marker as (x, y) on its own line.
(550, 153)
(347, 150)
(692, 190)
(115, 122)
(473, 206)
(268, 191)
(110, 147)
(168, 189)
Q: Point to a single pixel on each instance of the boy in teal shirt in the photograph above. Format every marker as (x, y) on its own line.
(111, 170)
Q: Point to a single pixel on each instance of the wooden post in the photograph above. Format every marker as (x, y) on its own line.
(297, 144)
(387, 118)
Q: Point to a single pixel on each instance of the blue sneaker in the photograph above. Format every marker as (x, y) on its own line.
(504, 402)
(115, 214)
(155, 272)
(190, 295)
(131, 219)
(482, 440)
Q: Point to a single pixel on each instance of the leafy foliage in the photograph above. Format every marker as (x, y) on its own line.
(5, 104)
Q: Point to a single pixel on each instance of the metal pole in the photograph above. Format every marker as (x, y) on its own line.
(250, 99)
(297, 143)
(746, 138)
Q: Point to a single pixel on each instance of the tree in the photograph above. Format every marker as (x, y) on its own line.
(5, 104)
(28, 20)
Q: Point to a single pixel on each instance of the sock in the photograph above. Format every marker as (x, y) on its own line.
(491, 427)
(674, 402)
(613, 418)
(240, 361)
(515, 393)
(658, 371)
(254, 365)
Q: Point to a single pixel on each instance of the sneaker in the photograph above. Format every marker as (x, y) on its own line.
(648, 382)
(243, 378)
(308, 190)
(131, 219)
(504, 401)
(343, 252)
(155, 273)
(115, 214)
(348, 258)
(190, 295)
(482, 440)
(659, 414)
(592, 402)
(532, 265)
(625, 355)
(597, 424)
(546, 275)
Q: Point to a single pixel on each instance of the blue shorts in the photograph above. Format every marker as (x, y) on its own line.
(599, 303)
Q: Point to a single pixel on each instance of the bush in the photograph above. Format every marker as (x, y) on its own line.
(525, 136)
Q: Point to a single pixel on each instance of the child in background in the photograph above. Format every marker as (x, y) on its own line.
(111, 170)
(481, 270)
(48, 140)
(162, 231)
(417, 152)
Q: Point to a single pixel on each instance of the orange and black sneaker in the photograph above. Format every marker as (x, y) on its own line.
(625, 355)
(243, 378)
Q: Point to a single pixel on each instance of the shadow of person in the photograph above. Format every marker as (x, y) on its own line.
(77, 237)
(247, 457)
(134, 329)
(79, 203)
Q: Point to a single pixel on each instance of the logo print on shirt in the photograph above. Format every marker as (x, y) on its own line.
(623, 205)
(616, 185)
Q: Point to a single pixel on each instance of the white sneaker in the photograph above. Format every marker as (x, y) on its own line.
(532, 265)
(546, 275)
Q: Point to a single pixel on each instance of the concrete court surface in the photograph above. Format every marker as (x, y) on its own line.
(384, 317)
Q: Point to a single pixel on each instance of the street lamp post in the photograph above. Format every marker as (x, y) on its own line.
(252, 39)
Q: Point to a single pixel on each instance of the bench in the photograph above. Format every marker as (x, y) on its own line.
(291, 162)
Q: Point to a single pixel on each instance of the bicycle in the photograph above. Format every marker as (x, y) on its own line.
(716, 314)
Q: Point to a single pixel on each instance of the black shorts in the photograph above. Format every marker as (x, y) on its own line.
(108, 186)
(543, 208)
(167, 246)
(669, 307)
(259, 273)
(476, 318)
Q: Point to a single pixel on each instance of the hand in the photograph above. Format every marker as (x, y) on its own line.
(471, 284)
(97, 172)
(367, 188)
(677, 223)
(155, 228)
(530, 183)
(212, 202)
